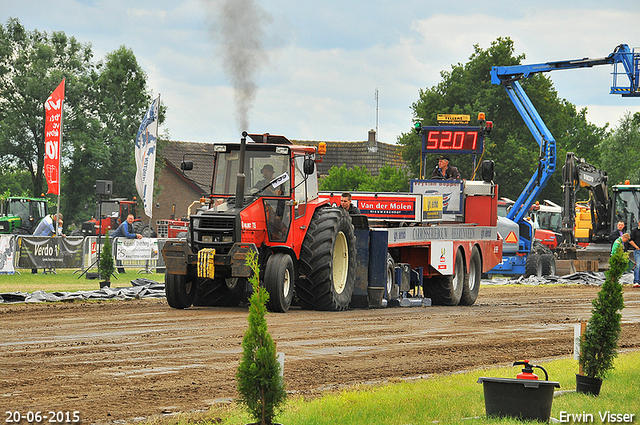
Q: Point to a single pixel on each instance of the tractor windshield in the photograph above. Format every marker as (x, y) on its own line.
(260, 168)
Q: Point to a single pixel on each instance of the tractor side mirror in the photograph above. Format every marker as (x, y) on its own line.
(186, 165)
(309, 166)
(487, 170)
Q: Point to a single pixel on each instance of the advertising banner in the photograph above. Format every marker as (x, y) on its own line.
(7, 254)
(37, 252)
(53, 138)
(136, 249)
(383, 206)
(145, 152)
(450, 190)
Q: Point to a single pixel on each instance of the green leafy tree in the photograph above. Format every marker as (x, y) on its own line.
(620, 150)
(599, 344)
(390, 179)
(467, 89)
(344, 179)
(104, 104)
(259, 383)
(32, 64)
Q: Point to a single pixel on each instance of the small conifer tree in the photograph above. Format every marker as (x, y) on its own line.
(259, 383)
(599, 344)
(106, 266)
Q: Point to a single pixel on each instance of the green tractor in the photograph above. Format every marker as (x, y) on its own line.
(19, 215)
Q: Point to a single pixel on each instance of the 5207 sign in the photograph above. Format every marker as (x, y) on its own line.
(452, 140)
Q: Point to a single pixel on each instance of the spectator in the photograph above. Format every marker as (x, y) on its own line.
(125, 230)
(46, 226)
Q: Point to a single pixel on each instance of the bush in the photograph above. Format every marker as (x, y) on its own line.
(599, 344)
(259, 383)
(106, 266)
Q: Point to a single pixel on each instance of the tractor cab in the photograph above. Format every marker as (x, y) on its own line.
(277, 182)
(21, 215)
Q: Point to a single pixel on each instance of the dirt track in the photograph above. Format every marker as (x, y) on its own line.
(119, 360)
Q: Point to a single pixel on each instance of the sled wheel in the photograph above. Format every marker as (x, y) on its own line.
(327, 261)
(391, 289)
(278, 280)
(472, 279)
(446, 290)
(179, 291)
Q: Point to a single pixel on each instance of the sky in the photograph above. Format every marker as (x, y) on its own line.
(316, 66)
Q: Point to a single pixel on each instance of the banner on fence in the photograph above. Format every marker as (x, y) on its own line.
(7, 254)
(45, 252)
(136, 249)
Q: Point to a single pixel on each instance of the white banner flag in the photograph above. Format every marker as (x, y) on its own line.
(146, 143)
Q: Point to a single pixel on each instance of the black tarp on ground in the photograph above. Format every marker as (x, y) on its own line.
(140, 288)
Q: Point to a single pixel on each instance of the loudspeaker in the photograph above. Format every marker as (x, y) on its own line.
(103, 187)
(487, 170)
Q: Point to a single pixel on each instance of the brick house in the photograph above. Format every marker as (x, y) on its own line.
(178, 188)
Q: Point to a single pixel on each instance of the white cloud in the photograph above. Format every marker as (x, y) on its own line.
(327, 58)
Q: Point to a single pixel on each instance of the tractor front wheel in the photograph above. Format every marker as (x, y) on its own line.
(278, 279)
(327, 261)
(179, 291)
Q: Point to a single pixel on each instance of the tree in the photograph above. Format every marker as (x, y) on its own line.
(259, 383)
(620, 150)
(467, 89)
(343, 179)
(104, 104)
(102, 148)
(32, 64)
(599, 344)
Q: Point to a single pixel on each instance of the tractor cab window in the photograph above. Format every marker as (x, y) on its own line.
(266, 173)
(626, 208)
(38, 210)
(20, 207)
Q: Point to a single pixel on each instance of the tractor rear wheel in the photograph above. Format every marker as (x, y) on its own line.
(179, 291)
(391, 290)
(327, 261)
(471, 285)
(142, 228)
(446, 290)
(217, 293)
(278, 279)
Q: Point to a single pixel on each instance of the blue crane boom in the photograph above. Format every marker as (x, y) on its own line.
(626, 62)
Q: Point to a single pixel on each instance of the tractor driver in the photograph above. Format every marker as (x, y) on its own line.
(267, 176)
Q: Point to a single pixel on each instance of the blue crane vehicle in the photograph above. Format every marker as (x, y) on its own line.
(521, 255)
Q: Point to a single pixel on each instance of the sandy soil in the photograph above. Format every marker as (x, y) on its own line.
(120, 360)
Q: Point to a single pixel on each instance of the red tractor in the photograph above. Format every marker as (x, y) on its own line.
(112, 213)
(264, 199)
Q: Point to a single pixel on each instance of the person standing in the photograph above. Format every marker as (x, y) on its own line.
(634, 242)
(618, 232)
(444, 170)
(345, 202)
(50, 225)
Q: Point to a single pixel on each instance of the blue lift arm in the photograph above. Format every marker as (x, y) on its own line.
(509, 76)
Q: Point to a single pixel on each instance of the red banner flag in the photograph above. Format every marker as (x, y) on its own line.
(53, 138)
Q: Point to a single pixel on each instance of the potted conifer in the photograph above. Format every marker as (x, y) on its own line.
(599, 344)
(106, 267)
(260, 384)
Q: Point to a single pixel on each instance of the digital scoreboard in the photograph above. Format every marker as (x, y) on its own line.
(452, 139)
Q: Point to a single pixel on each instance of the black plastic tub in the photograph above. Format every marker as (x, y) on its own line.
(518, 398)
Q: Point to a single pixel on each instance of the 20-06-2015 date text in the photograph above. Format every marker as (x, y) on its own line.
(49, 416)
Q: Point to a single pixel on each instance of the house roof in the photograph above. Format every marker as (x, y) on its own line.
(373, 155)
(202, 156)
